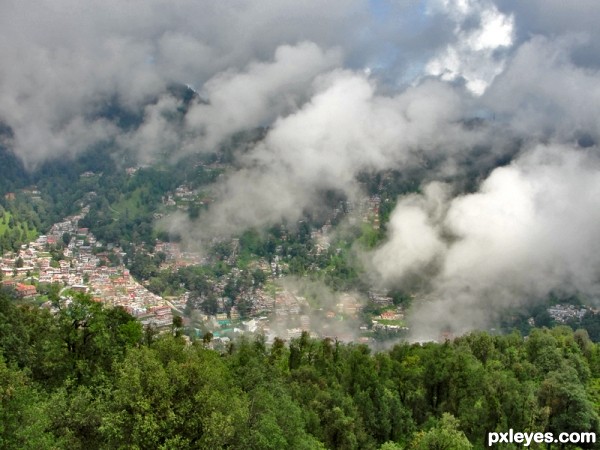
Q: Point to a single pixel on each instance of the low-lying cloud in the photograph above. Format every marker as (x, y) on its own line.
(530, 229)
(345, 128)
(64, 61)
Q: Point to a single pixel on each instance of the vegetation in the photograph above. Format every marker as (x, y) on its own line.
(122, 205)
(14, 229)
(90, 377)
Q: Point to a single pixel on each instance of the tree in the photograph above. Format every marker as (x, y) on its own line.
(275, 420)
(177, 325)
(207, 338)
(570, 409)
(75, 414)
(190, 401)
(444, 436)
(23, 424)
(259, 277)
(391, 446)
(95, 336)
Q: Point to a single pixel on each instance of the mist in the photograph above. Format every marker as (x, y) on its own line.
(529, 230)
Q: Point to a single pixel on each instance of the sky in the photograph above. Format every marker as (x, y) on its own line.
(343, 87)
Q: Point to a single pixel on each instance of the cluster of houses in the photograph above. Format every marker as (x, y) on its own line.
(565, 313)
(175, 257)
(288, 304)
(87, 266)
(261, 301)
(365, 210)
(22, 290)
(380, 298)
(390, 320)
(82, 268)
(184, 196)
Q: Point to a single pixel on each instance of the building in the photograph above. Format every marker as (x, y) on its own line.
(25, 290)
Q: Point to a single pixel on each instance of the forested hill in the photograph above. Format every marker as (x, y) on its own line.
(89, 377)
(12, 173)
(40, 195)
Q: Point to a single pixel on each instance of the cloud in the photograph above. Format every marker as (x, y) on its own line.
(239, 101)
(413, 239)
(345, 128)
(477, 54)
(526, 71)
(530, 229)
(232, 101)
(543, 94)
(65, 60)
(552, 18)
(161, 131)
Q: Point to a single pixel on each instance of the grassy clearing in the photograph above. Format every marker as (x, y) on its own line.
(130, 204)
(5, 219)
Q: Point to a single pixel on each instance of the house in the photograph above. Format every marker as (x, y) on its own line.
(25, 290)
(390, 315)
(80, 288)
(250, 325)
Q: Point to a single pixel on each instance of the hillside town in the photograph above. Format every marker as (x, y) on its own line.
(80, 269)
(72, 258)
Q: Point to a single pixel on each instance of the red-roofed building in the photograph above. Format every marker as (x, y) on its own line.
(389, 315)
(25, 290)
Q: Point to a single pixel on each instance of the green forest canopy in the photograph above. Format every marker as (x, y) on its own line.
(91, 377)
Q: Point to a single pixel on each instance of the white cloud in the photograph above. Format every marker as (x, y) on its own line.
(530, 229)
(473, 56)
(543, 94)
(239, 101)
(64, 59)
(413, 241)
(345, 128)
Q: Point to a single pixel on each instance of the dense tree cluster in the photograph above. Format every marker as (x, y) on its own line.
(90, 377)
